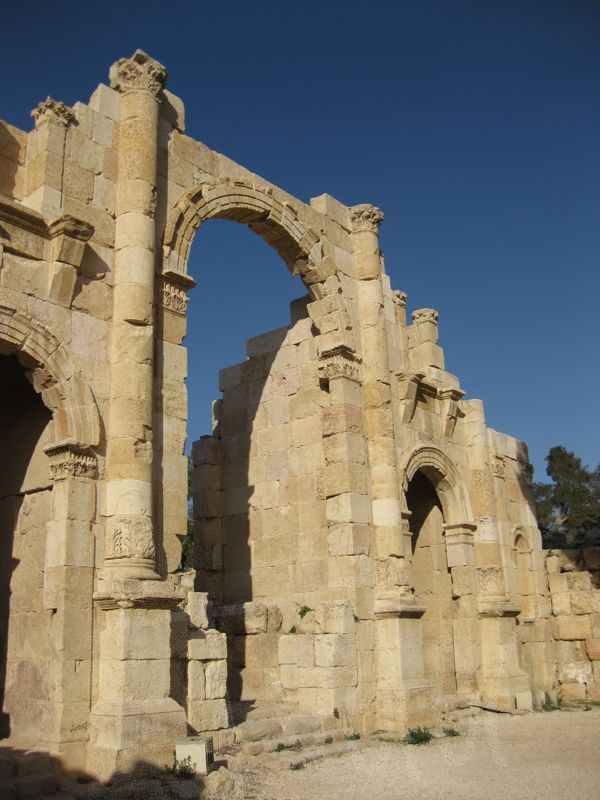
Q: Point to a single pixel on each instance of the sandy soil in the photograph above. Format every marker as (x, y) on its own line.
(538, 756)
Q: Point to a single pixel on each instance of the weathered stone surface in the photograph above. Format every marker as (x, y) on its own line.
(332, 504)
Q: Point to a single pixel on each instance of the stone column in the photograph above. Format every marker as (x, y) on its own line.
(403, 696)
(45, 164)
(460, 552)
(130, 548)
(68, 587)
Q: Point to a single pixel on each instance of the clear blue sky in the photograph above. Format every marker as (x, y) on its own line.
(473, 124)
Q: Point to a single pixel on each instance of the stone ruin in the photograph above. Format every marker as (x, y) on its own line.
(366, 548)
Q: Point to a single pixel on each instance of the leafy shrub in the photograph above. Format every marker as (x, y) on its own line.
(417, 736)
(450, 732)
(304, 611)
(184, 770)
(353, 737)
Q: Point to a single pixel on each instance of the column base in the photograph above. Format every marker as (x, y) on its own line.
(124, 735)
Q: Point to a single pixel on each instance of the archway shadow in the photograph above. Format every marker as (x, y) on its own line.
(22, 423)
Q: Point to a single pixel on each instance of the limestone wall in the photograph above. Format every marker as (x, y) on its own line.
(574, 581)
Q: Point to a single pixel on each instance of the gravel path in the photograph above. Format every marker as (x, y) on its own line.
(537, 756)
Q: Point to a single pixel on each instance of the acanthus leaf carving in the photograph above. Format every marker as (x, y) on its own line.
(55, 110)
(366, 217)
(140, 73)
(131, 538)
(68, 460)
(339, 362)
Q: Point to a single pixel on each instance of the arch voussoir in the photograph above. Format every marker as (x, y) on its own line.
(55, 377)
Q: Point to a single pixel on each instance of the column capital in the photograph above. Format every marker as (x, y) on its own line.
(366, 217)
(175, 286)
(339, 362)
(425, 315)
(140, 73)
(399, 298)
(52, 110)
(69, 460)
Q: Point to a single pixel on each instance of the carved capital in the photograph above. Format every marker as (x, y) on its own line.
(425, 315)
(140, 73)
(399, 298)
(490, 581)
(366, 218)
(68, 236)
(174, 289)
(68, 460)
(53, 111)
(339, 362)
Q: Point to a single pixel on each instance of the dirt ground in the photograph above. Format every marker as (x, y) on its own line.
(538, 756)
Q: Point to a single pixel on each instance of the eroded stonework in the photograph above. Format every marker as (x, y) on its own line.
(366, 548)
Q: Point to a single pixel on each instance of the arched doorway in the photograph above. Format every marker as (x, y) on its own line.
(433, 584)
(25, 508)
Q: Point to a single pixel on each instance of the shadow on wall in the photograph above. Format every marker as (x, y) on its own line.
(525, 476)
(239, 499)
(36, 774)
(24, 419)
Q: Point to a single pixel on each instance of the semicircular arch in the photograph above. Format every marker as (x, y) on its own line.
(73, 407)
(443, 475)
(265, 210)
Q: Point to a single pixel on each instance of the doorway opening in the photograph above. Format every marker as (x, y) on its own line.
(25, 508)
(433, 585)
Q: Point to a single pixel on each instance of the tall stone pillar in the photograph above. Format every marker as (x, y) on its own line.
(134, 717)
(130, 549)
(403, 696)
(503, 682)
(68, 588)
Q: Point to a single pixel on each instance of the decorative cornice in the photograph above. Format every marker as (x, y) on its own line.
(339, 362)
(140, 73)
(53, 110)
(69, 460)
(425, 315)
(366, 217)
(175, 286)
(68, 225)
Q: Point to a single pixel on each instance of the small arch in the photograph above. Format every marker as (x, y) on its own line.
(54, 377)
(266, 212)
(444, 477)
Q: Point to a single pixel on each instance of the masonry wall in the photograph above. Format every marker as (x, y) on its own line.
(574, 581)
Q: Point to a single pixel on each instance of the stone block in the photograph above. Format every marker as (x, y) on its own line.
(578, 581)
(586, 602)
(287, 649)
(561, 603)
(348, 539)
(592, 647)
(572, 692)
(570, 627)
(196, 608)
(569, 560)
(335, 650)
(207, 715)
(207, 646)
(196, 683)
(335, 617)
(215, 677)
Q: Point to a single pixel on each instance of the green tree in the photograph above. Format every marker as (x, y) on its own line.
(569, 506)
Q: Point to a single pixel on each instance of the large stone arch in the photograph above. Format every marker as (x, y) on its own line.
(266, 211)
(74, 410)
(444, 477)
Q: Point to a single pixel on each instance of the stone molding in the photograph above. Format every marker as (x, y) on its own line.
(140, 73)
(50, 110)
(408, 392)
(449, 399)
(366, 217)
(175, 286)
(70, 460)
(339, 362)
